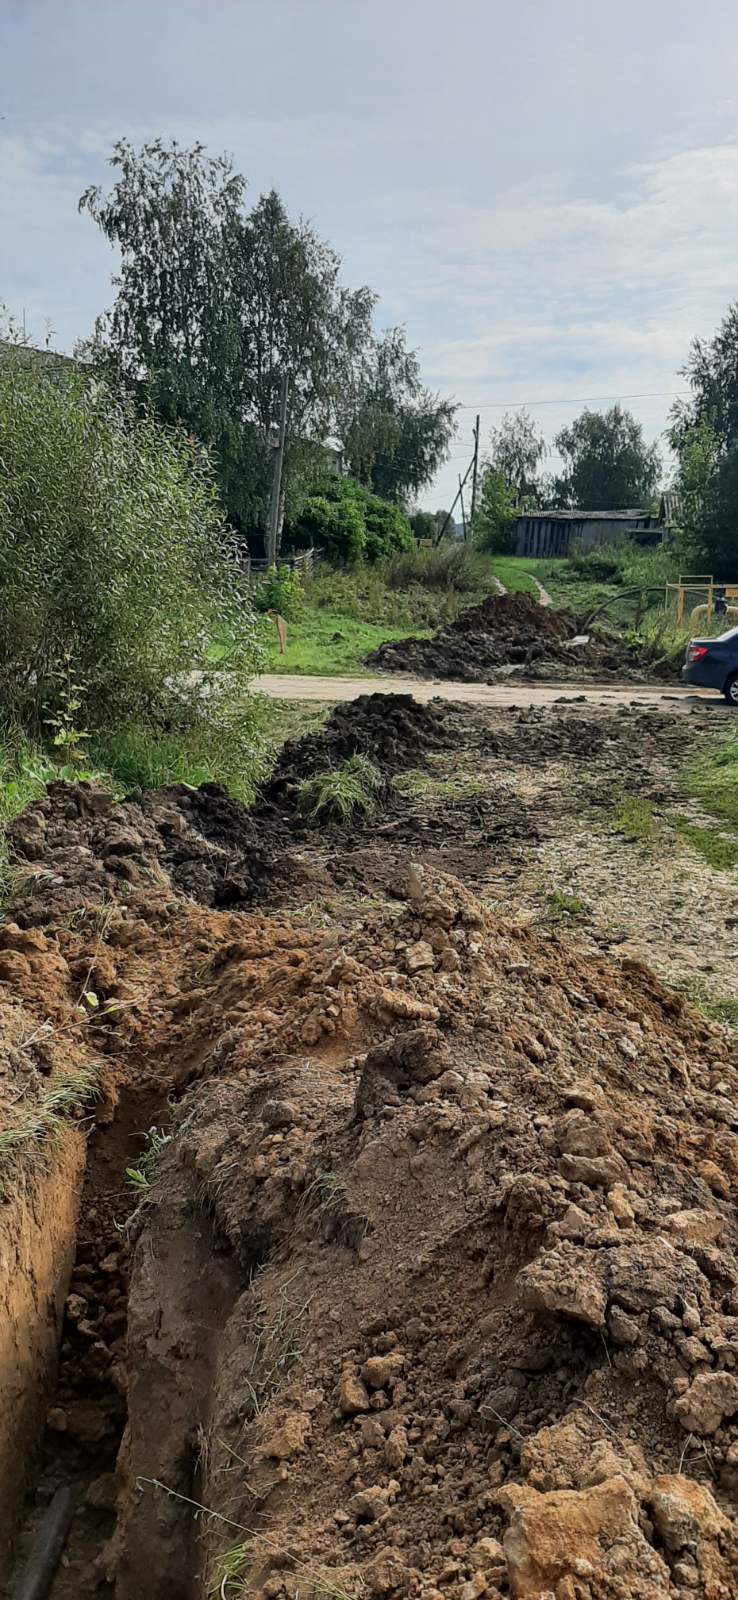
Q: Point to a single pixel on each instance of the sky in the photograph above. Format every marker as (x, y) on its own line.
(544, 192)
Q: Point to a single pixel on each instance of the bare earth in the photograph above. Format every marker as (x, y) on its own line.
(286, 686)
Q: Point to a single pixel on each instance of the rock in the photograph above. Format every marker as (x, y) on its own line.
(419, 957)
(623, 1328)
(714, 1178)
(352, 1395)
(502, 1403)
(372, 1433)
(489, 1556)
(551, 1536)
(397, 1448)
(102, 1493)
(578, 1135)
(475, 1586)
(696, 1227)
(684, 1511)
(289, 1440)
(567, 1279)
(710, 1397)
(369, 1504)
(598, 1172)
(56, 1419)
(619, 1206)
(279, 1114)
(650, 1273)
(76, 1307)
(382, 1372)
(87, 1423)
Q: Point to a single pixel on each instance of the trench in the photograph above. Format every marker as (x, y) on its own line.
(132, 1384)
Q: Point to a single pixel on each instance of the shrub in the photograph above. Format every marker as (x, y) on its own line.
(451, 566)
(347, 523)
(279, 590)
(114, 558)
(341, 792)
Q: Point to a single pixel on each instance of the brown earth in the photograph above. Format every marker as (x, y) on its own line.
(514, 632)
(433, 1286)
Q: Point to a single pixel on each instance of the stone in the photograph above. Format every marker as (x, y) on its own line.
(598, 1172)
(684, 1511)
(623, 1329)
(372, 1433)
(419, 957)
(352, 1395)
(56, 1419)
(369, 1504)
(567, 1279)
(76, 1307)
(488, 1556)
(619, 1206)
(696, 1227)
(279, 1114)
(381, 1372)
(551, 1535)
(710, 1397)
(578, 1135)
(475, 1586)
(289, 1440)
(397, 1448)
(102, 1493)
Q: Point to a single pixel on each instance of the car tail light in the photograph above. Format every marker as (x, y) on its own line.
(696, 652)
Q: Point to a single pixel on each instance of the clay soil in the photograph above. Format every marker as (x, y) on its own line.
(428, 1282)
(513, 633)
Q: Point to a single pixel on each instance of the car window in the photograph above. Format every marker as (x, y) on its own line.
(732, 633)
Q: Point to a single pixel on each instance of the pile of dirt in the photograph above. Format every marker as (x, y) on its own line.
(393, 730)
(79, 847)
(513, 632)
(490, 1349)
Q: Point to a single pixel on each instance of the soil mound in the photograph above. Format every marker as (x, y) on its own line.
(79, 847)
(513, 632)
(489, 1184)
(393, 730)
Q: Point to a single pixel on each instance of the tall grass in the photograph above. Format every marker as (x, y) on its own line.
(341, 792)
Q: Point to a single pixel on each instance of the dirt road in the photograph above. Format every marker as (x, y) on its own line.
(285, 686)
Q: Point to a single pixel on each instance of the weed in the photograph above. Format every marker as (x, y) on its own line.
(713, 779)
(341, 792)
(43, 1121)
(142, 1177)
(713, 1006)
(633, 817)
(231, 1569)
(564, 905)
(278, 1341)
(719, 850)
(462, 786)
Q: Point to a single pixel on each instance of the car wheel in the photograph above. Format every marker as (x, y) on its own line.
(731, 690)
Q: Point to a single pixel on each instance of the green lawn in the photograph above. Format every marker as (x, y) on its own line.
(331, 644)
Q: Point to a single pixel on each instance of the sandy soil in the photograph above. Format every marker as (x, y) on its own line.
(293, 686)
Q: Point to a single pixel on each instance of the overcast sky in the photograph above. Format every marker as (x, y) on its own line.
(545, 192)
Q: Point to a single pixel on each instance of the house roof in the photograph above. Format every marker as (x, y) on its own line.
(585, 516)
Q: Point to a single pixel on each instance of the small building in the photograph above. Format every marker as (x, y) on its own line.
(556, 533)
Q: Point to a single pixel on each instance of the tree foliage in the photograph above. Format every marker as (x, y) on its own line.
(712, 374)
(396, 433)
(347, 522)
(215, 302)
(516, 450)
(607, 464)
(496, 510)
(114, 558)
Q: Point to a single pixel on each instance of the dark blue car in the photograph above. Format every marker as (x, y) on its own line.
(713, 664)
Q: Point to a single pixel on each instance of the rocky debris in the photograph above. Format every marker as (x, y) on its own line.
(588, 1534)
(513, 632)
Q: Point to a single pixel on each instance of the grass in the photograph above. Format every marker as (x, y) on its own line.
(462, 786)
(332, 644)
(712, 1006)
(41, 1123)
(562, 906)
(231, 1570)
(342, 792)
(713, 780)
(633, 817)
(719, 850)
(278, 1345)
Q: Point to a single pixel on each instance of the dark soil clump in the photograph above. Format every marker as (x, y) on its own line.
(513, 632)
(393, 730)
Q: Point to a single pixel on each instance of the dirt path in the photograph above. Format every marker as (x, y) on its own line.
(287, 686)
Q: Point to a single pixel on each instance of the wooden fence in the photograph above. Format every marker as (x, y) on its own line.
(306, 562)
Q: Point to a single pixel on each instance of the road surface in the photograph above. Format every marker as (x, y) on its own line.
(286, 686)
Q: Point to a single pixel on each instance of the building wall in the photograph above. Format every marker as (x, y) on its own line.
(539, 535)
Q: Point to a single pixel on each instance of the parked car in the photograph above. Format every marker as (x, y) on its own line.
(713, 664)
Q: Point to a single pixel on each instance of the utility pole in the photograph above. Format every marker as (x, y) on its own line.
(450, 513)
(474, 475)
(275, 498)
(463, 513)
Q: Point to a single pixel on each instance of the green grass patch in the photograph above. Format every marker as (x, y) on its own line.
(461, 786)
(633, 818)
(716, 1007)
(516, 573)
(332, 644)
(719, 850)
(341, 792)
(39, 1124)
(564, 906)
(713, 780)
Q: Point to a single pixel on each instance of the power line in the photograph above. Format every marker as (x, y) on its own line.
(581, 400)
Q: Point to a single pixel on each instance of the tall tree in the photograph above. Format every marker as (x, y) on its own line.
(712, 373)
(396, 433)
(516, 450)
(213, 303)
(607, 463)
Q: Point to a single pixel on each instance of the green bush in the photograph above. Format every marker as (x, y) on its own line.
(115, 566)
(347, 522)
(279, 590)
(451, 566)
